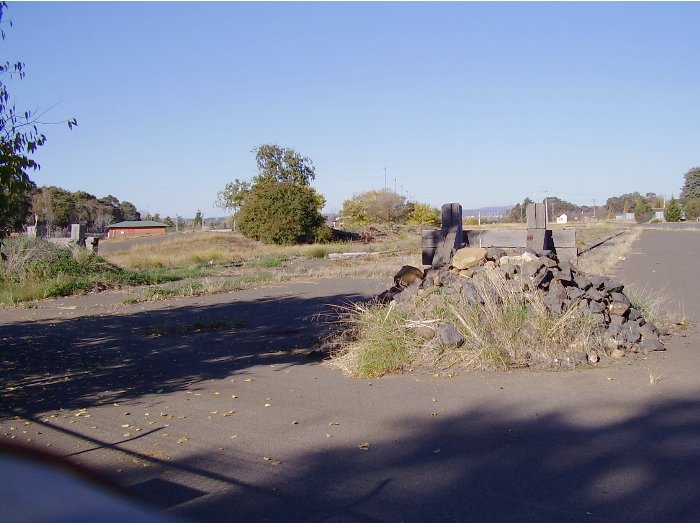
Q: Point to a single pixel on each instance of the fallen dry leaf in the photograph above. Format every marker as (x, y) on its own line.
(364, 446)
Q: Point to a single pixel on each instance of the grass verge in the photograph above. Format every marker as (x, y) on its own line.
(36, 269)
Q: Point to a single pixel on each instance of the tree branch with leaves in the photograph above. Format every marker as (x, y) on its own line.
(20, 137)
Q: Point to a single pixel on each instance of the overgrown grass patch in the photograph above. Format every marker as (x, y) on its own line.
(268, 261)
(505, 327)
(380, 344)
(202, 287)
(36, 269)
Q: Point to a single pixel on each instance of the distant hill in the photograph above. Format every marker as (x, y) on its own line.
(487, 211)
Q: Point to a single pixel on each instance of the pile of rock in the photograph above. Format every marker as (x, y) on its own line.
(622, 328)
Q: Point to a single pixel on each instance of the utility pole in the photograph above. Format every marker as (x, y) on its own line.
(546, 209)
(593, 208)
(394, 183)
(385, 178)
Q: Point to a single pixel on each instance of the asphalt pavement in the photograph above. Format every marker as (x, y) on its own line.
(235, 422)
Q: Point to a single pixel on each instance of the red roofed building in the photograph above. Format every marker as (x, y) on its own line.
(135, 228)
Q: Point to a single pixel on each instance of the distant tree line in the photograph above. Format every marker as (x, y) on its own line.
(57, 208)
(641, 206)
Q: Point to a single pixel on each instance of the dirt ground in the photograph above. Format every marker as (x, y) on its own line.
(210, 408)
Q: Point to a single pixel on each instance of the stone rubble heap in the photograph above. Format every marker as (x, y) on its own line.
(622, 327)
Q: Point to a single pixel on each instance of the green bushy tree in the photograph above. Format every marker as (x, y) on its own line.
(20, 137)
(642, 211)
(691, 187)
(281, 213)
(279, 205)
(692, 209)
(672, 212)
(422, 214)
(378, 206)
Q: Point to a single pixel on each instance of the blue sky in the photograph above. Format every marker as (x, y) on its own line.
(478, 103)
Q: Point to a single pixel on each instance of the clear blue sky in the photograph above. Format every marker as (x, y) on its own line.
(482, 104)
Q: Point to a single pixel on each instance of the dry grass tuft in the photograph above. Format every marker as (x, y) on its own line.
(605, 258)
(511, 328)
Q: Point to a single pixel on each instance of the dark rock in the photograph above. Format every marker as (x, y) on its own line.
(542, 278)
(619, 297)
(565, 276)
(387, 295)
(574, 293)
(532, 268)
(614, 330)
(471, 294)
(616, 319)
(598, 318)
(548, 262)
(633, 314)
(449, 336)
(631, 332)
(557, 289)
(597, 281)
(649, 331)
(553, 303)
(409, 292)
(652, 345)
(594, 294)
(447, 278)
(495, 253)
(582, 281)
(612, 285)
(618, 308)
(566, 265)
(595, 307)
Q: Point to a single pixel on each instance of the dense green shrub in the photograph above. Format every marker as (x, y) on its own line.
(692, 209)
(642, 212)
(672, 213)
(281, 213)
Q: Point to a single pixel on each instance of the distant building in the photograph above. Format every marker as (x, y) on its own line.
(658, 215)
(625, 217)
(562, 219)
(135, 228)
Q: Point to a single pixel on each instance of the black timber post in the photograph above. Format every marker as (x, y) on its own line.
(539, 238)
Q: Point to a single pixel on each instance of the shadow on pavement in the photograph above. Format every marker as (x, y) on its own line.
(484, 465)
(89, 361)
